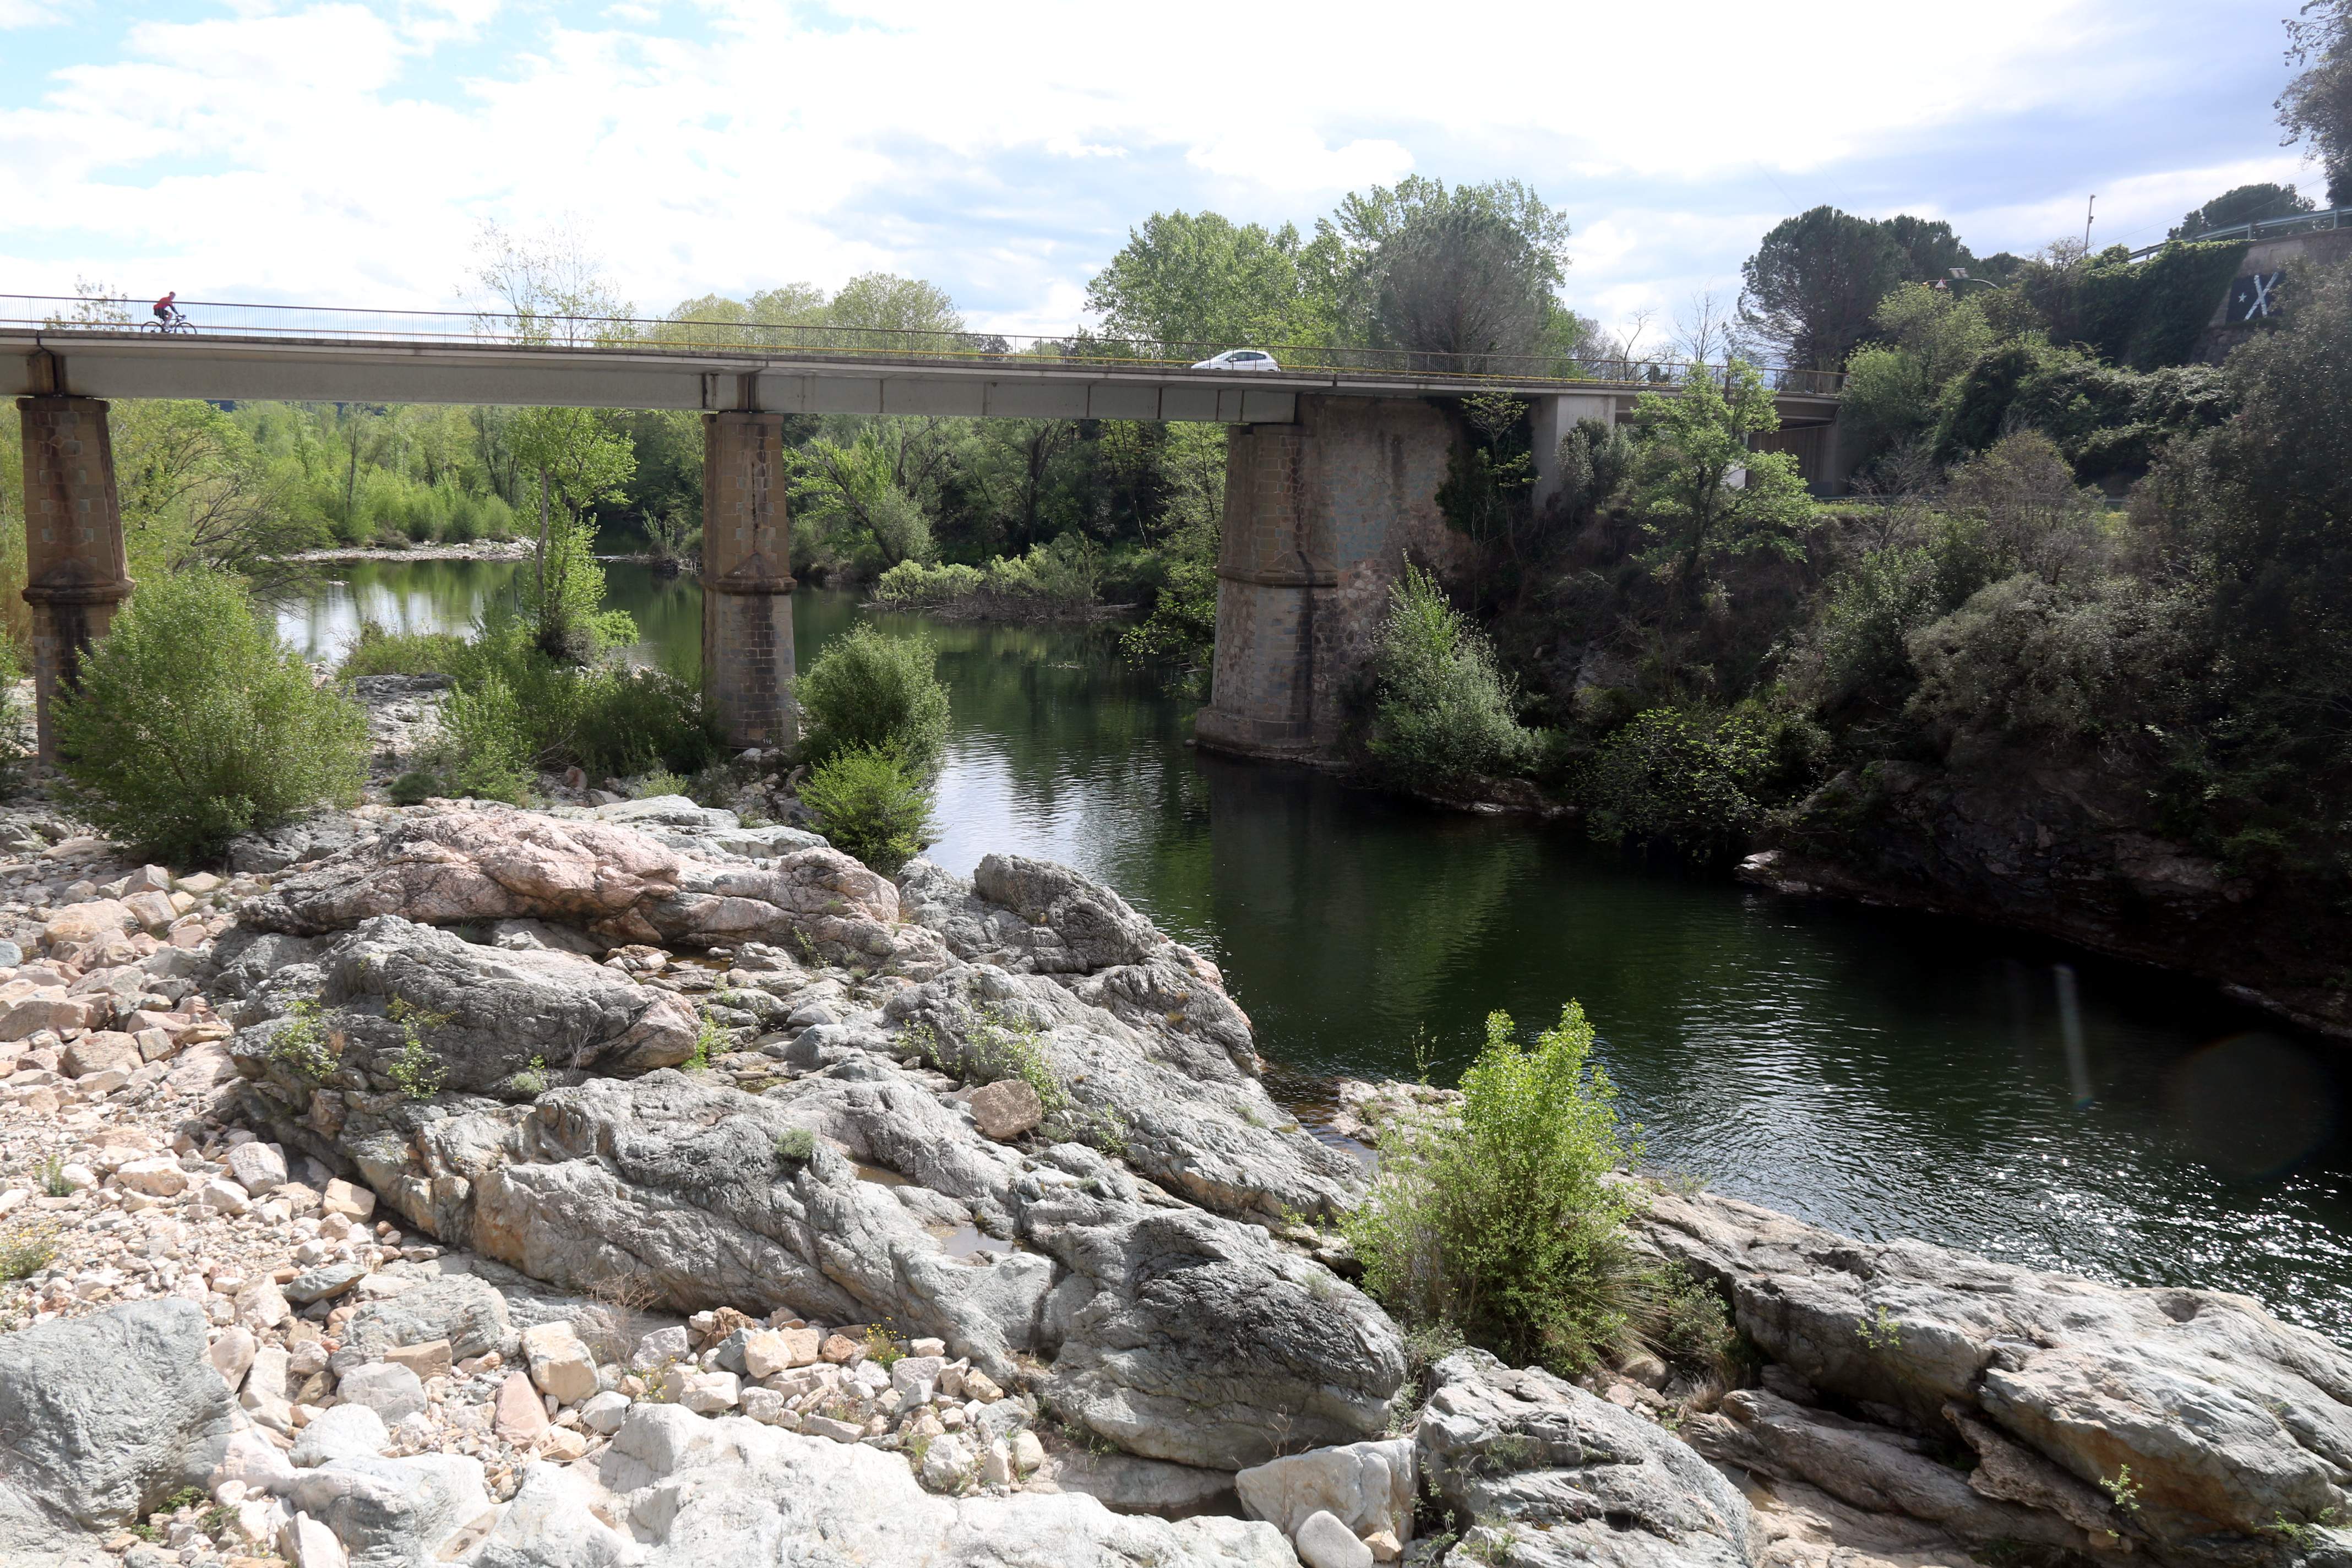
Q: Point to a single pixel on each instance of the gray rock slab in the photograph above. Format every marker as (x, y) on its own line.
(104, 1416)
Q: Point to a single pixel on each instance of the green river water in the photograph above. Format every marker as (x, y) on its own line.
(1880, 1073)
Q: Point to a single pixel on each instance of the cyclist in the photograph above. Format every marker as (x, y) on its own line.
(166, 311)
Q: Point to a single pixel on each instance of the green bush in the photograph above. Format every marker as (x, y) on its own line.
(1692, 781)
(192, 723)
(1502, 1220)
(377, 651)
(870, 803)
(415, 787)
(871, 690)
(610, 720)
(1442, 709)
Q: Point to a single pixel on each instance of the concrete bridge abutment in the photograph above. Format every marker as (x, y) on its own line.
(747, 583)
(1320, 516)
(76, 571)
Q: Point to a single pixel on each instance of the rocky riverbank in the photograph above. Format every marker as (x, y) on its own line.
(630, 1185)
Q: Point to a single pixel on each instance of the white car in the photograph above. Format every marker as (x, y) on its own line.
(1240, 359)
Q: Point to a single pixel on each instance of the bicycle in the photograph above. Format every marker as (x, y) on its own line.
(173, 323)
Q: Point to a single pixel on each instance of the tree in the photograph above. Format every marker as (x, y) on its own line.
(195, 492)
(2317, 107)
(885, 303)
(552, 283)
(1929, 248)
(1687, 484)
(579, 464)
(191, 723)
(1202, 280)
(2245, 204)
(1813, 282)
(1469, 270)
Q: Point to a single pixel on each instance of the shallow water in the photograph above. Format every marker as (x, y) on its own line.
(1880, 1073)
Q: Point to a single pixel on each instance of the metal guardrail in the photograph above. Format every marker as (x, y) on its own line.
(634, 335)
(2268, 228)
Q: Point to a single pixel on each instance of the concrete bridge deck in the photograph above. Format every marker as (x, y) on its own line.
(1332, 471)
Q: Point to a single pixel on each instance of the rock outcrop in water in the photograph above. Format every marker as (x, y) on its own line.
(2006, 1404)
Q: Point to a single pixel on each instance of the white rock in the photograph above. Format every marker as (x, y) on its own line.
(949, 1464)
(996, 1464)
(1324, 1542)
(307, 1543)
(392, 1392)
(561, 1364)
(604, 1413)
(708, 1393)
(261, 1305)
(254, 1462)
(1367, 1487)
(663, 1347)
(158, 1176)
(1028, 1453)
(224, 1194)
(916, 1377)
(257, 1167)
(265, 1381)
(349, 1431)
(230, 1355)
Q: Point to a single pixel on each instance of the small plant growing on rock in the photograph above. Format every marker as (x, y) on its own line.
(26, 1250)
(301, 1046)
(708, 1040)
(53, 1179)
(416, 1072)
(660, 782)
(2121, 1490)
(1879, 1331)
(415, 787)
(795, 1145)
(532, 1079)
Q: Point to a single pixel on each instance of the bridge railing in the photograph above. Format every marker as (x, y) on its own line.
(336, 324)
(2268, 228)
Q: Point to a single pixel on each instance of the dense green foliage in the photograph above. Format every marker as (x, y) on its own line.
(1443, 713)
(1813, 282)
(871, 691)
(2317, 108)
(871, 803)
(193, 724)
(1503, 1221)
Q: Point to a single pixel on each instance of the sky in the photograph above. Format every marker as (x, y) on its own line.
(351, 151)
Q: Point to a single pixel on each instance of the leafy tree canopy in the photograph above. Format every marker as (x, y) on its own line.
(2317, 108)
(1811, 286)
(1186, 278)
(2246, 203)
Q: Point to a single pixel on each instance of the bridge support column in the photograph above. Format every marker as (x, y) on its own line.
(747, 583)
(76, 572)
(1550, 419)
(1320, 516)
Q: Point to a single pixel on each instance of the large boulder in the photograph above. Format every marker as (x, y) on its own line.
(2232, 1423)
(480, 864)
(1542, 1473)
(698, 1491)
(1367, 1487)
(103, 1417)
(489, 1020)
(1179, 1335)
(1174, 1087)
(473, 862)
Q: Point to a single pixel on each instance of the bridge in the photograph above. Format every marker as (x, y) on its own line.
(1332, 469)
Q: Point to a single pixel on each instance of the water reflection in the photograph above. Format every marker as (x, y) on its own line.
(1880, 1073)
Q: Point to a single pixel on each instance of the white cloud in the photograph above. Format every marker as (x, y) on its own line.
(31, 12)
(321, 149)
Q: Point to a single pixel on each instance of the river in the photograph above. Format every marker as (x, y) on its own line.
(1884, 1074)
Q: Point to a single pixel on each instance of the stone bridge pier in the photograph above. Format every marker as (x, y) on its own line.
(1320, 516)
(747, 583)
(75, 571)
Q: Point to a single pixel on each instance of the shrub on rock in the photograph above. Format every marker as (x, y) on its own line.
(871, 691)
(1442, 708)
(192, 723)
(871, 805)
(1502, 1219)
